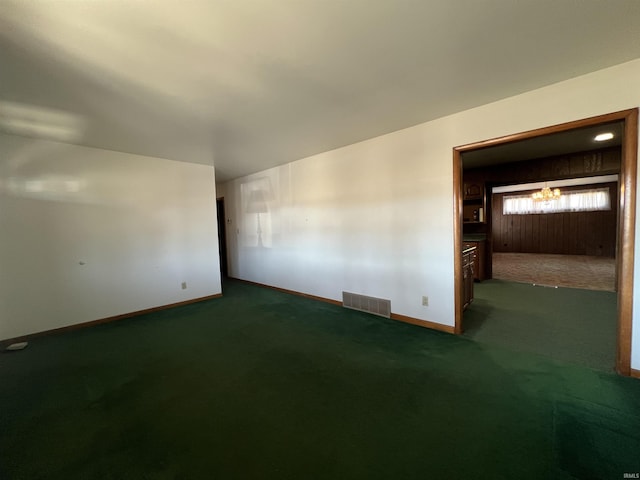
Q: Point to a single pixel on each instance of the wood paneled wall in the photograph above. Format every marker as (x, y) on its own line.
(587, 233)
(603, 161)
(570, 233)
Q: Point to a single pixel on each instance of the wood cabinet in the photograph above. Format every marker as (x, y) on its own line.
(468, 256)
(473, 191)
(473, 203)
(479, 259)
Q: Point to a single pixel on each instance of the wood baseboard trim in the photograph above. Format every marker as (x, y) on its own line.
(394, 316)
(635, 373)
(100, 321)
(423, 323)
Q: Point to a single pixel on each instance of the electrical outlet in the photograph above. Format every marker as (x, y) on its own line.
(184, 285)
(425, 301)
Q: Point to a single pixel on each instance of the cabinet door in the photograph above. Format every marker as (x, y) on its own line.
(467, 279)
(472, 191)
(469, 282)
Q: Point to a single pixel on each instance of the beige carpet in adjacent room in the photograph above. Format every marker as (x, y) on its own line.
(573, 271)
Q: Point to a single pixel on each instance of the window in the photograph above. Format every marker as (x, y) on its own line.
(571, 201)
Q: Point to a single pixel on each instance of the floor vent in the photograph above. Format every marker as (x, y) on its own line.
(377, 306)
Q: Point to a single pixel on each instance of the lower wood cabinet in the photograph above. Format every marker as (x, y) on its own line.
(479, 271)
(468, 260)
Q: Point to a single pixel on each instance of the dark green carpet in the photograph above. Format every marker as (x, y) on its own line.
(265, 385)
(567, 324)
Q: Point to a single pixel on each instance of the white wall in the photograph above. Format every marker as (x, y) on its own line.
(377, 217)
(88, 234)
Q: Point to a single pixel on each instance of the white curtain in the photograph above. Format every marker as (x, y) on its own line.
(571, 201)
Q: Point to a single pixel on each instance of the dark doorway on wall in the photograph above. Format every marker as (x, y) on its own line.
(222, 238)
(628, 123)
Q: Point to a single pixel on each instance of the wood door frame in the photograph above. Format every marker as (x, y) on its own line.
(626, 218)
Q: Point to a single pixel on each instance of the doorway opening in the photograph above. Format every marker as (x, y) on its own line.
(474, 206)
(222, 238)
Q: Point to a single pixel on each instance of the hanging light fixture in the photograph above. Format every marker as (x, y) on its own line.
(546, 194)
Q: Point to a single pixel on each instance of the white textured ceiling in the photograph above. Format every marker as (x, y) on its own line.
(250, 84)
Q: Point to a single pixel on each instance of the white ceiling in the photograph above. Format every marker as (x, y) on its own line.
(251, 84)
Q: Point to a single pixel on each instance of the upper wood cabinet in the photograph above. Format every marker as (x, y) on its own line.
(473, 209)
(473, 191)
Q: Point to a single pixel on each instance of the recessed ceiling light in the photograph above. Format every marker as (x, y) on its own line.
(603, 137)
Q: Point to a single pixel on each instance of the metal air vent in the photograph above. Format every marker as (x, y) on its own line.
(377, 306)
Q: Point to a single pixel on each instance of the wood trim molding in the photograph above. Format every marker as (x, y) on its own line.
(626, 240)
(540, 132)
(394, 316)
(634, 373)
(423, 323)
(457, 241)
(91, 323)
(626, 226)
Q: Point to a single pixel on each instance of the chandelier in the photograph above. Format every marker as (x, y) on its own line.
(546, 194)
